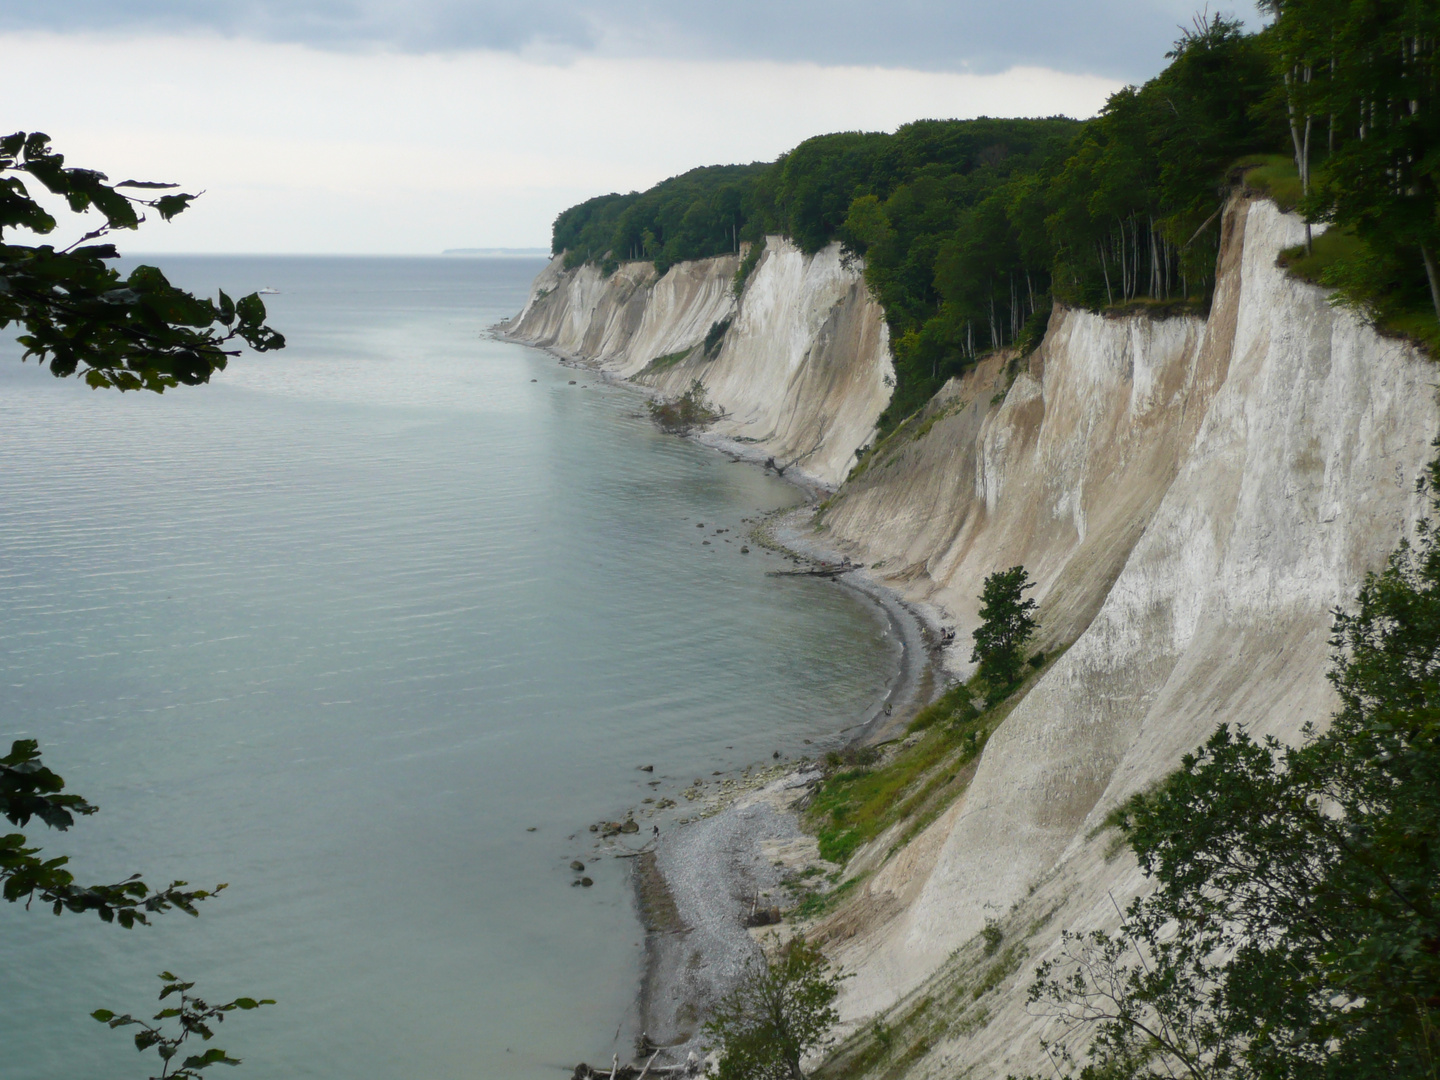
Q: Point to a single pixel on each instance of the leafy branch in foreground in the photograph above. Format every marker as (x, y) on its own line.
(28, 789)
(79, 315)
(1293, 929)
(194, 1016)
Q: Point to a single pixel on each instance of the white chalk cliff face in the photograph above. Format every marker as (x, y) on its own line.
(802, 375)
(1193, 497)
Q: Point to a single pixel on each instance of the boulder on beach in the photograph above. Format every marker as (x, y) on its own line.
(766, 916)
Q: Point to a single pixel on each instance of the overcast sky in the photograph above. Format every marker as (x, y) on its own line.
(378, 126)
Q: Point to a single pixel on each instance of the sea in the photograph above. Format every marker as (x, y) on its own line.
(373, 629)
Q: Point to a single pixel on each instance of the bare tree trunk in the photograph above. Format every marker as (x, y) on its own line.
(1014, 325)
(1330, 137)
(1305, 176)
(1124, 274)
(1154, 262)
(1134, 256)
(1109, 295)
(1301, 143)
(1434, 275)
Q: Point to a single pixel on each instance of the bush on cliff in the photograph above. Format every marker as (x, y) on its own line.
(781, 1011)
(682, 415)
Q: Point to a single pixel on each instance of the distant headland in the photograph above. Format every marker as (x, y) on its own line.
(541, 252)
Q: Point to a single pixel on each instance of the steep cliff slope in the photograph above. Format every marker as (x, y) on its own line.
(802, 374)
(1194, 498)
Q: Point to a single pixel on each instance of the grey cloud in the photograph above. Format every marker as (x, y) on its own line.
(1117, 38)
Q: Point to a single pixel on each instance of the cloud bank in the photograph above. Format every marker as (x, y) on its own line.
(304, 150)
(1124, 39)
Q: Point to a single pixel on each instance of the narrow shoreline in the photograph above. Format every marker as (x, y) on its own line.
(697, 884)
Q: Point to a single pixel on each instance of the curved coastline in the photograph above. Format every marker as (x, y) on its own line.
(696, 884)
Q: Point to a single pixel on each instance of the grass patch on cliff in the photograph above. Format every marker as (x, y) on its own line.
(716, 335)
(954, 1002)
(814, 904)
(1369, 283)
(664, 363)
(912, 784)
(912, 429)
(1272, 175)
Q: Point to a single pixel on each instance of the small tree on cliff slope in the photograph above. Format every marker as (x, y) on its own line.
(780, 1012)
(1007, 622)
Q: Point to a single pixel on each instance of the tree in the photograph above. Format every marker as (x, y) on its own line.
(1006, 625)
(194, 1016)
(1293, 929)
(1372, 69)
(780, 1012)
(78, 315)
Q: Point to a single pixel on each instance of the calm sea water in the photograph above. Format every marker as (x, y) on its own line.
(339, 629)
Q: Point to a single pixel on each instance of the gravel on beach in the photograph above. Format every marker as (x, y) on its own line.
(712, 871)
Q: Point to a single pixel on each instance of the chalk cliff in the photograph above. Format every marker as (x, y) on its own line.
(1193, 496)
(801, 375)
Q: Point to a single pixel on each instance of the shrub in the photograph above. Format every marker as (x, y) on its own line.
(716, 335)
(747, 266)
(780, 1012)
(681, 415)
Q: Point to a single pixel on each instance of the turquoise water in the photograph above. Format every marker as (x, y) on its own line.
(339, 629)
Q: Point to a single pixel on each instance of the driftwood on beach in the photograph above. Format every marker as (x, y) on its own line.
(627, 1072)
(820, 571)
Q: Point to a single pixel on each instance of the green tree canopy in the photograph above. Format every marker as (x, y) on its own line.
(781, 1011)
(971, 229)
(1007, 622)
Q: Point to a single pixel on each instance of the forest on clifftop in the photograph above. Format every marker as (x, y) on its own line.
(970, 229)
